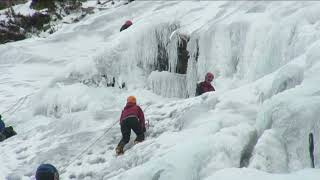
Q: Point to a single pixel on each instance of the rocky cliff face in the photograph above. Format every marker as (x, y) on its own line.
(6, 3)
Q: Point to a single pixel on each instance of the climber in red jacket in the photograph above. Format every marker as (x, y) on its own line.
(205, 86)
(132, 117)
(126, 25)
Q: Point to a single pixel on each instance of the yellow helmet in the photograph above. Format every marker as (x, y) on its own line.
(131, 99)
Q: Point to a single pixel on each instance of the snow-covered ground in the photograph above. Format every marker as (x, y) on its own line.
(255, 126)
(23, 9)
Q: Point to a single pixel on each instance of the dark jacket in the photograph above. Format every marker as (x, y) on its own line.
(125, 26)
(133, 110)
(204, 87)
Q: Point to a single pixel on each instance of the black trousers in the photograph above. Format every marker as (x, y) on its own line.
(126, 126)
(8, 132)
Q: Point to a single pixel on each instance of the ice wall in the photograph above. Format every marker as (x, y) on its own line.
(136, 53)
(272, 45)
(168, 84)
(251, 45)
(265, 56)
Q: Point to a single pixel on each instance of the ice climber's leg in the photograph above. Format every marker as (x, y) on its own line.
(137, 129)
(126, 131)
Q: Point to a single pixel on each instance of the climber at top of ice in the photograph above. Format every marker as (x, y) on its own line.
(205, 86)
(127, 24)
(47, 172)
(132, 117)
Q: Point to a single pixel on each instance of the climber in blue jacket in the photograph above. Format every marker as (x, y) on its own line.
(5, 132)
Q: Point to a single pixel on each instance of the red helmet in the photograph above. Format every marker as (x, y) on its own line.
(209, 77)
(128, 22)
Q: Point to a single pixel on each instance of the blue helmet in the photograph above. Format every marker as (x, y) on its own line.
(47, 172)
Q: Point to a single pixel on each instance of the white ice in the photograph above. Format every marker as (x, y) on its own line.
(265, 58)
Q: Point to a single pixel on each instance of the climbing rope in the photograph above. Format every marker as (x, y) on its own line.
(88, 147)
(93, 143)
(148, 122)
(12, 109)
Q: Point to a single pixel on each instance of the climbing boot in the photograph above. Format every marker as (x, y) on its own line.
(2, 137)
(119, 150)
(137, 141)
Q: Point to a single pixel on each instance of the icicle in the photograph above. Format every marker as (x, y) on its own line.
(168, 84)
(192, 73)
(147, 51)
(173, 33)
(173, 52)
(147, 54)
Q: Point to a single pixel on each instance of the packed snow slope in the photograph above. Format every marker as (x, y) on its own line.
(265, 57)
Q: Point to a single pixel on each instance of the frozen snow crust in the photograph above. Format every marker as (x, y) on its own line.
(265, 58)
